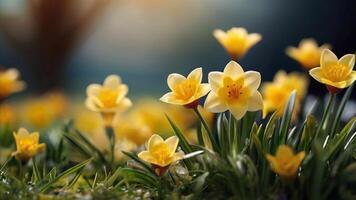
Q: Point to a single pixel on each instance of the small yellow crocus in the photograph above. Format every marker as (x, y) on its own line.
(161, 153)
(9, 82)
(276, 94)
(236, 41)
(186, 90)
(307, 53)
(285, 163)
(27, 145)
(108, 98)
(234, 90)
(335, 73)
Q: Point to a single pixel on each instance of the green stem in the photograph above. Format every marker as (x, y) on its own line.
(210, 134)
(325, 114)
(111, 134)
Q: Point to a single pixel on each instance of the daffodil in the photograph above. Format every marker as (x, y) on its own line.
(186, 90)
(335, 73)
(108, 98)
(276, 94)
(9, 82)
(27, 145)
(286, 163)
(236, 41)
(307, 53)
(161, 153)
(234, 90)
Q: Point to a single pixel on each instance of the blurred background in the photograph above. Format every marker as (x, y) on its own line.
(68, 44)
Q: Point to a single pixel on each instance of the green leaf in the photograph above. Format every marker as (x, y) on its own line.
(134, 157)
(183, 142)
(287, 116)
(69, 171)
(135, 176)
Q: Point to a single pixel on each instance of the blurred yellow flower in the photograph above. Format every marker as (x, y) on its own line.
(234, 90)
(236, 41)
(308, 53)
(276, 93)
(186, 91)
(286, 163)
(38, 113)
(123, 145)
(108, 98)
(161, 153)
(132, 129)
(335, 73)
(7, 115)
(9, 82)
(27, 145)
(58, 102)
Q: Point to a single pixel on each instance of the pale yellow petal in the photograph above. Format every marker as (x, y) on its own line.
(146, 156)
(293, 52)
(316, 73)
(112, 81)
(196, 75)
(328, 58)
(340, 84)
(153, 141)
(172, 143)
(204, 89)
(253, 39)
(284, 152)
(174, 79)
(89, 103)
(178, 156)
(41, 148)
(12, 73)
(237, 110)
(252, 80)
(214, 104)
(255, 103)
(216, 81)
(167, 98)
(122, 91)
(347, 60)
(124, 104)
(219, 34)
(233, 70)
(93, 89)
(300, 156)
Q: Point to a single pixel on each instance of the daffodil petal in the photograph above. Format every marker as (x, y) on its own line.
(328, 58)
(219, 34)
(172, 143)
(340, 84)
(204, 89)
(216, 80)
(174, 79)
(347, 60)
(237, 110)
(316, 73)
(196, 75)
(233, 69)
(93, 89)
(112, 81)
(252, 80)
(214, 104)
(253, 39)
(255, 102)
(153, 141)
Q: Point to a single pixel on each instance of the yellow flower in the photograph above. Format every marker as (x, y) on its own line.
(161, 153)
(58, 102)
(38, 113)
(333, 72)
(108, 98)
(9, 82)
(276, 93)
(186, 91)
(236, 41)
(286, 163)
(308, 53)
(234, 90)
(27, 145)
(7, 115)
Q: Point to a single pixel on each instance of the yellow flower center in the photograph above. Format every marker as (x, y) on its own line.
(108, 97)
(185, 90)
(232, 90)
(27, 146)
(6, 85)
(336, 73)
(161, 153)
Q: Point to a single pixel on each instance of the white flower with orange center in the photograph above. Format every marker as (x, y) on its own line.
(186, 90)
(237, 41)
(335, 73)
(234, 90)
